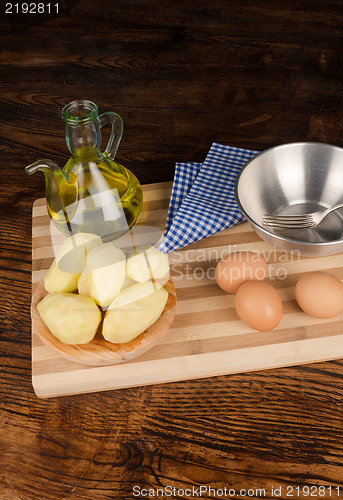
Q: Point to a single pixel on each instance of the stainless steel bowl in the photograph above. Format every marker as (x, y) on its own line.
(295, 178)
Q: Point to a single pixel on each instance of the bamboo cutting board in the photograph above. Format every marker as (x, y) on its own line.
(206, 337)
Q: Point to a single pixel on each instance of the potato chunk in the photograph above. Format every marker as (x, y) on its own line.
(73, 319)
(56, 280)
(71, 257)
(147, 262)
(125, 319)
(70, 260)
(128, 282)
(82, 284)
(133, 293)
(106, 273)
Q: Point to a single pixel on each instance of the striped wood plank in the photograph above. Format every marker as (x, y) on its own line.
(206, 337)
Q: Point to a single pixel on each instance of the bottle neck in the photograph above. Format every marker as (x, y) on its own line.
(83, 136)
(82, 126)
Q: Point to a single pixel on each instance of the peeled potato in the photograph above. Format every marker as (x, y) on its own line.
(70, 260)
(82, 284)
(71, 256)
(128, 282)
(72, 318)
(56, 280)
(106, 273)
(125, 321)
(133, 293)
(147, 262)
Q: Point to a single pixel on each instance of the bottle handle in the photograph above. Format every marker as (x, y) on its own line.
(117, 131)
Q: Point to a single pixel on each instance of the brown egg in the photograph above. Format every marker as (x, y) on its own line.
(236, 268)
(258, 304)
(320, 294)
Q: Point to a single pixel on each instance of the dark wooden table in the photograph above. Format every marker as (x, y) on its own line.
(182, 74)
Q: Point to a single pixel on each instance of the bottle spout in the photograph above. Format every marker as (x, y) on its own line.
(61, 189)
(56, 181)
(45, 166)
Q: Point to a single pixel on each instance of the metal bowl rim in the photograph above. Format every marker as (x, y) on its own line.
(261, 228)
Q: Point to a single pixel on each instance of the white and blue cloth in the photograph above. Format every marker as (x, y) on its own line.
(202, 201)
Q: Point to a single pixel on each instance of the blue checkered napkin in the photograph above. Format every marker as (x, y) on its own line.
(185, 174)
(210, 204)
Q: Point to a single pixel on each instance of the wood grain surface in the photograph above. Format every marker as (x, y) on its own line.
(182, 75)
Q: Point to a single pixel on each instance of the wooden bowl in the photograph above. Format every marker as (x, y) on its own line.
(99, 351)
